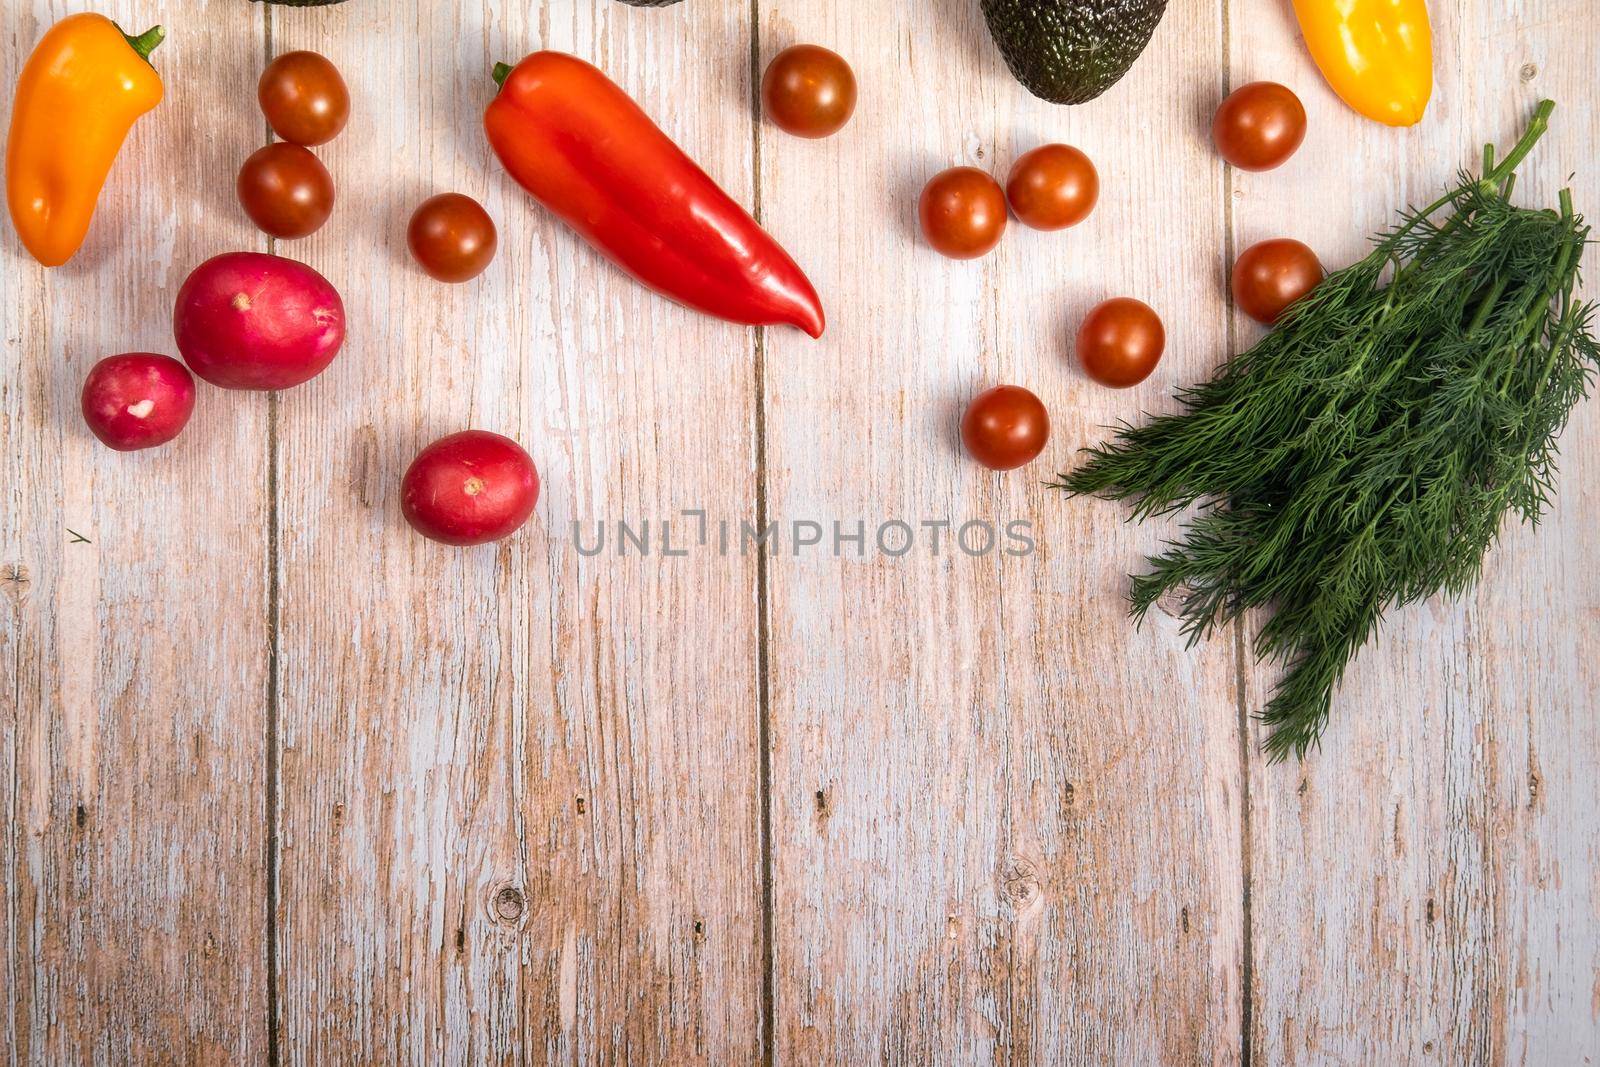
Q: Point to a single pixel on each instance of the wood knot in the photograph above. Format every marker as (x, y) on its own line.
(1528, 72)
(1019, 883)
(1170, 604)
(507, 906)
(14, 582)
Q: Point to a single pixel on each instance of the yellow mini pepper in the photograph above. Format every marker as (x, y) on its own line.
(1377, 54)
(78, 96)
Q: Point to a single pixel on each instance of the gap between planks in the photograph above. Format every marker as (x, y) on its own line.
(768, 1020)
(1241, 666)
(273, 695)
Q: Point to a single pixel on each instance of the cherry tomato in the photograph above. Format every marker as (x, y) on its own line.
(963, 212)
(1053, 187)
(285, 190)
(809, 91)
(1120, 342)
(451, 237)
(1259, 126)
(1005, 427)
(469, 489)
(137, 400)
(304, 98)
(1271, 275)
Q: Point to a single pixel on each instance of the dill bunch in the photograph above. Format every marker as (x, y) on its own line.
(1364, 453)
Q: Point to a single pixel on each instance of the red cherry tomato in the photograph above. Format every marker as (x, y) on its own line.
(963, 212)
(137, 400)
(1271, 275)
(1259, 126)
(1053, 187)
(1120, 342)
(1005, 427)
(285, 190)
(469, 489)
(304, 98)
(452, 237)
(809, 91)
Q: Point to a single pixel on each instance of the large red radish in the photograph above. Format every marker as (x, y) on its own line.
(137, 400)
(248, 320)
(469, 488)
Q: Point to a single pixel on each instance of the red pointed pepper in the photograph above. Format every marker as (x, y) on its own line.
(584, 149)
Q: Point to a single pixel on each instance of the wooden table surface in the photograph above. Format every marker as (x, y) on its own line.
(282, 782)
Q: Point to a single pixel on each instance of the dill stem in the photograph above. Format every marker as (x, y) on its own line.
(1530, 137)
(1486, 305)
(1537, 127)
(1534, 314)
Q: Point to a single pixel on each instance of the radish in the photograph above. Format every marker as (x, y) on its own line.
(137, 400)
(247, 320)
(469, 488)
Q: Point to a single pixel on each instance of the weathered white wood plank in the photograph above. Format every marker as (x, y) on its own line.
(520, 804)
(1005, 824)
(133, 608)
(1424, 888)
(519, 812)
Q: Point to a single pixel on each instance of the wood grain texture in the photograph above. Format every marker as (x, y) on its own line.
(514, 796)
(519, 816)
(1005, 824)
(1424, 889)
(132, 611)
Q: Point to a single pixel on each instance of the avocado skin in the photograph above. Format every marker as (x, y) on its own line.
(1070, 51)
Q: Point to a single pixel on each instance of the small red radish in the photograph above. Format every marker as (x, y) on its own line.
(137, 400)
(247, 320)
(469, 488)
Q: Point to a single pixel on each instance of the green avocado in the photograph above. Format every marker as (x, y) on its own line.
(1069, 51)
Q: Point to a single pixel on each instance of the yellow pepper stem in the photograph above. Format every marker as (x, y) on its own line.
(146, 42)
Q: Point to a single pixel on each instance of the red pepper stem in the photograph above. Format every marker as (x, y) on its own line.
(146, 42)
(502, 71)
